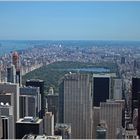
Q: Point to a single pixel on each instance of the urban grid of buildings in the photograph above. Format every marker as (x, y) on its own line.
(88, 106)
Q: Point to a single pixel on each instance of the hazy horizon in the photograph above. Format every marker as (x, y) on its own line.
(92, 20)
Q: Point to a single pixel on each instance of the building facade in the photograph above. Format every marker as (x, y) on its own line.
(75, 104)
(12, 91)
(8, 124)
(49, 124)
(40, 84)
(101, 89)
(11, 74)
(28, 125)
(52, 105)
(111, 114)
(117, 89)
(30, 101)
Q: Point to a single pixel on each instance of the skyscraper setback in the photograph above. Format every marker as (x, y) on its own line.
(75, 104)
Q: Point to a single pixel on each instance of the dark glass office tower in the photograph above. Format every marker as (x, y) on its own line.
(101, 90)
(40, 84)
(61, 102)
(135, 92)
(138, 121)
(136, 100)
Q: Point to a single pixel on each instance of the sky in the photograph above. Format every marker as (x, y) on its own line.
(90, 20)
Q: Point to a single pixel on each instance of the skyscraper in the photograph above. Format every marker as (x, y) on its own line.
(11, 74)
(8, 124)
(8, 111)
(30, 101)
(10, 93)
(16, 63)
(96, 121)
(75, 104)
(15, 60)
(117, 89)
(40, 84)
(135, 93)
(101, 89)
(111, 114)
(136, 101)
(122, 102)
(52, 103)
(49, 124)
(138, 120)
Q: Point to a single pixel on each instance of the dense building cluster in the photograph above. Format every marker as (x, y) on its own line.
(88, 106)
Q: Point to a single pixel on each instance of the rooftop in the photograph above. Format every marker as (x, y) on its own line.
(29, 119)
(105, 75)
(42, 137)
(35, 80)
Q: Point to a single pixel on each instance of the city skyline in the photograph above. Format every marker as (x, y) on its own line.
(90, 20)
(62, 89)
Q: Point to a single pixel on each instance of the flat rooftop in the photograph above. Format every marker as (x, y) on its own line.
(29, 121)
(35, 80)
(105, 75)
(48, 137)
(41, 137)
